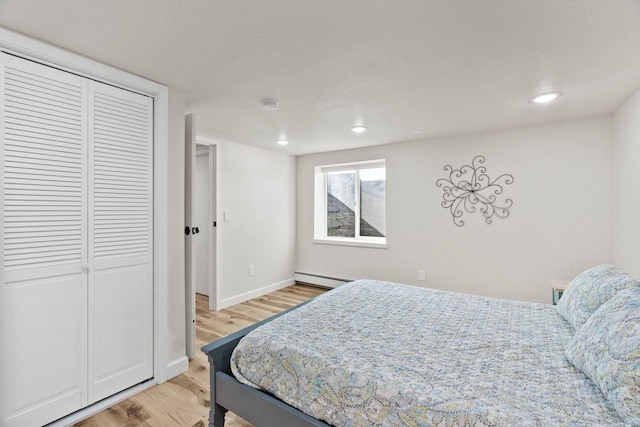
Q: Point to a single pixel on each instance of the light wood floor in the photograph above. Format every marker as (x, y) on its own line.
(184, 400)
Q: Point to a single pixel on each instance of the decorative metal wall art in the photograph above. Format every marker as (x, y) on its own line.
(469, 188)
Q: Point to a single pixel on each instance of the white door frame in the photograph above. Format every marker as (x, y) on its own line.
(214, 236)
(45, 53)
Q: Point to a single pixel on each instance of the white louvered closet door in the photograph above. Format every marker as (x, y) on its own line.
(44, 292)
(76, 301)
(120, 240)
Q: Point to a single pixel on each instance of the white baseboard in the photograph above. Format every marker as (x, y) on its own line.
(228, 302)
(177, 367)
(315, 279)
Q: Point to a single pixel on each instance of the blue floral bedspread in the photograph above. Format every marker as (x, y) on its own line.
(374, 353)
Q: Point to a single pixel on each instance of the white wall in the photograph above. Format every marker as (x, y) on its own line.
(560, 224)
(257, 190)
(626, 177)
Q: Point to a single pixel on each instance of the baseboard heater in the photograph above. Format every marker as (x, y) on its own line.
(319, 280)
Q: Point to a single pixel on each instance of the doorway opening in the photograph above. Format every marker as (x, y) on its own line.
(204, 213)
(201, 239)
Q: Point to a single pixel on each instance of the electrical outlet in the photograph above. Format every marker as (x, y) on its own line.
(421, 275)
(252, 270)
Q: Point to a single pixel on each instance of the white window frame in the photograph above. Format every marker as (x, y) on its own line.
(320, 205)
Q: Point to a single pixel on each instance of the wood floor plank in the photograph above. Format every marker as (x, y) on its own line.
(183, 401)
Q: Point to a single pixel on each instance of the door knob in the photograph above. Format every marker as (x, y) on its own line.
(195, 230)
(187, 230)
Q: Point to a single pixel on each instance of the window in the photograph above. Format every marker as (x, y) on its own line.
(350, 204)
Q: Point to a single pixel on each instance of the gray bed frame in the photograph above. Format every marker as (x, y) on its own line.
(228, 394)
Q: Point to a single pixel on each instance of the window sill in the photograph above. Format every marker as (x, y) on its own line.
(350, 242)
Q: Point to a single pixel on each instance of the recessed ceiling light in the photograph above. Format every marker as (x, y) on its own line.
(282, 142)
(545, 97)
(358, 129)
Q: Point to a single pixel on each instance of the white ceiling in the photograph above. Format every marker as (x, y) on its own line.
(439, 67)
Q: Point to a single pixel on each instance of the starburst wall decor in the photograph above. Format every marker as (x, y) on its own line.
(469, 188)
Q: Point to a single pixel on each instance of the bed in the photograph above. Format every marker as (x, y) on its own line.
(385, 354)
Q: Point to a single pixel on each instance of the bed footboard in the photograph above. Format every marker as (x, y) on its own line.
(219, 354)
(227, 394)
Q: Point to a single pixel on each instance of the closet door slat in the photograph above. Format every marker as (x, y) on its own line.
(32, 105)
(128, 123)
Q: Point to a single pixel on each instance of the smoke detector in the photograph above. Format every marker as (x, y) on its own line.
(270, 104)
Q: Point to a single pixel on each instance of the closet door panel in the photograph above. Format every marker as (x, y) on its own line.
(121, 323)
(45, 321)
(43, 359)
(120, 240)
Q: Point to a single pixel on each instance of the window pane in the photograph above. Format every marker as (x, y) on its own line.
(372, 202)
(341, 204)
